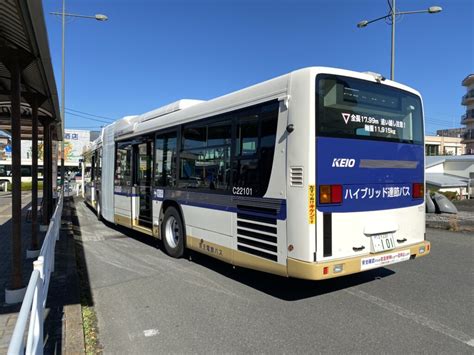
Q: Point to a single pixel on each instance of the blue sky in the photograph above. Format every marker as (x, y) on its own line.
(153, 52)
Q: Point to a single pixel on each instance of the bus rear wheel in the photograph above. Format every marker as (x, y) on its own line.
(172, 230)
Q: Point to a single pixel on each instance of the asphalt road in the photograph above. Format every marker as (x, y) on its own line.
(149, 303)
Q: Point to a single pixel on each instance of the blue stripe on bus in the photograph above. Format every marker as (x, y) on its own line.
(125, 194)
(280, 216)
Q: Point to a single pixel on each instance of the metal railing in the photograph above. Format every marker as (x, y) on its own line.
(469, 95)
(34, 302)
(467, 116)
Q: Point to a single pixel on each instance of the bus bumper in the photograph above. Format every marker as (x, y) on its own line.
(335, 268)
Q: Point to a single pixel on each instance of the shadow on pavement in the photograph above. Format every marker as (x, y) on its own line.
(6, 259)
(287, 289)
(63, 292)
(63, 283)
(127, 232)
(85, 291)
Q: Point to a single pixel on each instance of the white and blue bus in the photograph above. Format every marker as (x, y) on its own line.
(315, 174)
(6, 171)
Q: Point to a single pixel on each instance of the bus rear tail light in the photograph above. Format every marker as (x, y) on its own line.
(336, 193)
(418, 190)
(330, 194)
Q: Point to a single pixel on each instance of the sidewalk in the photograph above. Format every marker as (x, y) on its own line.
(63, 331)
(9, 313)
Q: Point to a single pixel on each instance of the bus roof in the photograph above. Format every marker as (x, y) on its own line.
(188, 110)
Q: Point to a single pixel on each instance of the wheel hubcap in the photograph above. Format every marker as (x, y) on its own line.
(172, 232)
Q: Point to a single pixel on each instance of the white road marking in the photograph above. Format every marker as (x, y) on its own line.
(151, 332)
(147, 333)
(436, 326)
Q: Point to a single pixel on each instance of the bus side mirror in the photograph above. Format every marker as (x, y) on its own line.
(290, 128)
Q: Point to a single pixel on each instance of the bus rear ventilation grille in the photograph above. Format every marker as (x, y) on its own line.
(257, 232)
(296, 176)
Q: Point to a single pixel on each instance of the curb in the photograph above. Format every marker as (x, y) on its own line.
(72, 324)
(64, 331)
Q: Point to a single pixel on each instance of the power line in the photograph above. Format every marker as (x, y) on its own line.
(88, 118)
(90, 114)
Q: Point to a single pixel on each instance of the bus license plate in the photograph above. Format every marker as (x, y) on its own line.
(382, 242)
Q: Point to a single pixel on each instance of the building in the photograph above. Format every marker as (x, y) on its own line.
(4, 141)
(451, 132)
(74, 142)
(443, 145)
(450, 173)
(468, 118)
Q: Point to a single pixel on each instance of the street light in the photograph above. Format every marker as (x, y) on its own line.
(98, 17)
(392, 15)
(63, 14)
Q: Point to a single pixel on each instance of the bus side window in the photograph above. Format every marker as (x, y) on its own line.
(123, 174)
(254, 148)
(165, 161)
(93, 165)
(205, 156)
(267, 148)
(99, 166)
(247, 138)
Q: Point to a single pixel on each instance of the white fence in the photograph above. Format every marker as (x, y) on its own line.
(34, 302)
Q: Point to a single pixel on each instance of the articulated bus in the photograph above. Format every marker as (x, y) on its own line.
(92, 167)
(315, 174)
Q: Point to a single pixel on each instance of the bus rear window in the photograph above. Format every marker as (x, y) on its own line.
(354, 108)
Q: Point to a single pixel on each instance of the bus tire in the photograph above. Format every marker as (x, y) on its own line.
(172, 230)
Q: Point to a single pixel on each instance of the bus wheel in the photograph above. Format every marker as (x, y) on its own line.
(172, 232)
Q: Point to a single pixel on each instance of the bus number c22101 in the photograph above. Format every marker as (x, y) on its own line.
(243, 191)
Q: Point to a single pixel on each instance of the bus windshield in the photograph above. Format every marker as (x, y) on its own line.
(359, 109)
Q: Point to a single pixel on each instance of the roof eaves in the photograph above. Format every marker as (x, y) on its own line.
(35, 24)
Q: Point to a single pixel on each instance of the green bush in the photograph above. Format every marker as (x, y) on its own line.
(26, 186)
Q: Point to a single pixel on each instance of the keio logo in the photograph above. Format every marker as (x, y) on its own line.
(343, 163)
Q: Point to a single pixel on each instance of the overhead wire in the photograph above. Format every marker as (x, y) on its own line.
(90, 114)
(88, 118)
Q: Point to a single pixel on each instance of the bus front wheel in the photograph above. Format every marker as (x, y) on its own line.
(172, 231)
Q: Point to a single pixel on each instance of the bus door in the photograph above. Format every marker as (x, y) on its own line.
(142, 195)
(123, 184)
(98, 178)
(165, 171)
(92, 196)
